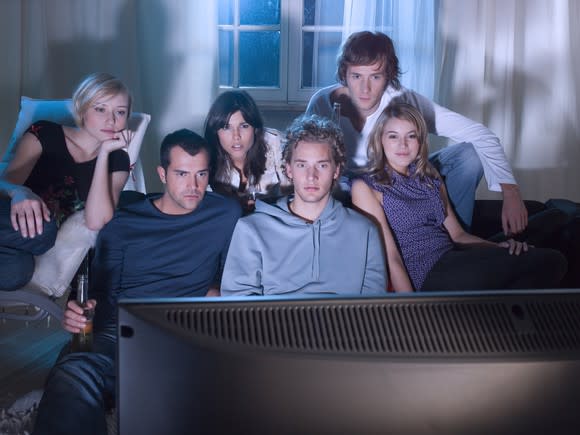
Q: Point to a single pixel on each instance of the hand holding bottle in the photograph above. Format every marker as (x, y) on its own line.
(82, 340)
(74, 320)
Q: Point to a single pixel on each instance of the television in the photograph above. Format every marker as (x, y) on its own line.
(447, 363)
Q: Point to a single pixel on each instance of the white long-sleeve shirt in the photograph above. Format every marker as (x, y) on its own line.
(440, 121)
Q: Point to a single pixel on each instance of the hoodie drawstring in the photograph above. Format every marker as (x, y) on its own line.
(316, 256)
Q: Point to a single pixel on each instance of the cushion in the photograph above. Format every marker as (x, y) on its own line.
(55, 269)
(138, 123)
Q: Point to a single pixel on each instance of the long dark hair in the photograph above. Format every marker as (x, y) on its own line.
(219, 115)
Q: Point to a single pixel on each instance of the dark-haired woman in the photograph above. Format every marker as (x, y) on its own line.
(247, 158)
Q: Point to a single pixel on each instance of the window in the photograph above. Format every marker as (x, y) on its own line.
(253, 47)
(281, 51)
(318, 35)
(316, 38)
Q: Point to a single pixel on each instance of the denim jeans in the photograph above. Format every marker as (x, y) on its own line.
(17, 252)
(78, 390)
(460, 167)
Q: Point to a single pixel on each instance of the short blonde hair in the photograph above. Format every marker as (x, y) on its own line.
(95, 86)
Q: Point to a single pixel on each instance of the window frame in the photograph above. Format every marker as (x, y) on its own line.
(290, 93)
(296, 93)
(276, 95)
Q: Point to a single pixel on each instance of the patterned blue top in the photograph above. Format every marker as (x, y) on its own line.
(415, 213)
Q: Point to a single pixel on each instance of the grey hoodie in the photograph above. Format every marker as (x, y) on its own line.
(273, 252)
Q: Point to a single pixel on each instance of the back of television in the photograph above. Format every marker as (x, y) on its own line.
(477, 363)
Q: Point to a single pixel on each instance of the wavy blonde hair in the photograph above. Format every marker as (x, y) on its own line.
(378, 165)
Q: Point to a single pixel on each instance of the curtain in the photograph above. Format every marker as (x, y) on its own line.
(164, 50)
(413, 33)
(10, 42)
(513, 65)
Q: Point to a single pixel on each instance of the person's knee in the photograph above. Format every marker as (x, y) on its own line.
(46, 240)
(74, 395)
(545, 266)
(468, 160)
(67, 368)
(71, 362)
(78, 375)
(16, 268)
(459, 162)
(557, 265)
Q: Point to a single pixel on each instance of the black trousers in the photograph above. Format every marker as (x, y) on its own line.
(493, 268)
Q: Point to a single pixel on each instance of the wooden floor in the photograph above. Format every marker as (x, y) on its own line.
(27, 352)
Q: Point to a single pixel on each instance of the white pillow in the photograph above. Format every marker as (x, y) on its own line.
(55, 269)
(138, 123)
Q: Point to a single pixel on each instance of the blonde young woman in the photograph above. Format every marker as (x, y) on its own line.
(427, 249)
(57, 170)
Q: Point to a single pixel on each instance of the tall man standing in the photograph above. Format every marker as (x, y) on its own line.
(307, 243)
(368, 73)
(167, 245)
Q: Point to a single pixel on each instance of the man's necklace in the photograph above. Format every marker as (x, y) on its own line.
(308, 221)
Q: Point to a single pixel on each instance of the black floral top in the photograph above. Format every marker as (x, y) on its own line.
(61, 182)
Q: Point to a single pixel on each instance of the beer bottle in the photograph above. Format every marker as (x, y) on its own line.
(83, 341)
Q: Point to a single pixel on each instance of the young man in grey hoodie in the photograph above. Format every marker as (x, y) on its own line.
(306, 243)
